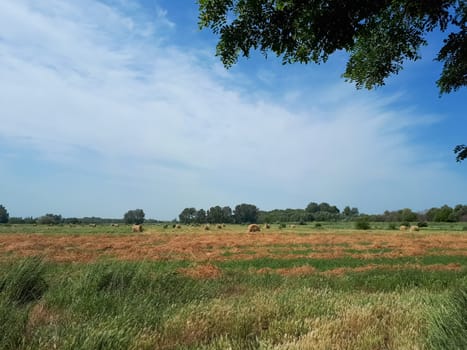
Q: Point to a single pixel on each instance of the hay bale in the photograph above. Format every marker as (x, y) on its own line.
(267, 226)
(402, 228)
(253, 228)
(92, 225)
(219, 226)
(293, 226)
(178, 226)
(137, 228)
(207, 227)
(414, 228)
(223, 225)
(114, 225)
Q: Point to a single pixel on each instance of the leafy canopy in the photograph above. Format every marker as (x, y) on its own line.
(378, 35)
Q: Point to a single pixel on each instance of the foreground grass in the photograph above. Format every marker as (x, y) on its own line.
(154, 305)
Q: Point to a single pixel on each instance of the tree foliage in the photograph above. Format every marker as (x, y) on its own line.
(187, 216)
(246, 214)
(4, 216)
(135, 216)
(461, 152)
(379, 36)
(50, 219)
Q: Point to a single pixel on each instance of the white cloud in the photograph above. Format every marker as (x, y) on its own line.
(90, 87)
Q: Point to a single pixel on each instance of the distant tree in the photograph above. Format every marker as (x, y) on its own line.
(461, 212)
(187, 216)
(312, 207)
(407, 215)
(50, 219)
(4, 216)
(443, 214)
(215, 215)
(73, 221)
(246, 213)
(15, 220)
(135, 216)
(227, 215)
(201, 216)
(350, 212)
(29, 220)
(325, 207)
(346, 211)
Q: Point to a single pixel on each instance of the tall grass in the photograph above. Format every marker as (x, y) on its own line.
(21, 283)
(153, 305)
(24, 281)
(449, 322)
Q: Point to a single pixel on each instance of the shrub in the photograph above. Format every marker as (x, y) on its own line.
(318, 225)
(282, 225)
(422, 224)
(362, 223)
(391, 226)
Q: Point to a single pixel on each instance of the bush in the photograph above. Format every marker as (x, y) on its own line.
(391, 226)
(422, 224)
(362, 223)
(282, 225)
(318, 225)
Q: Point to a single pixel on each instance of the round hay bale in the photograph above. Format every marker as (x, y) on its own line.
(267, 226)
(292, 226)
(253, 228)
(137, 228)
(219, 226)
(207, 227)
(178, 226)
(414, 228)
(402, 228)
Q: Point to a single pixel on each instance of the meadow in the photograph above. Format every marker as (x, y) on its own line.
(325, 287)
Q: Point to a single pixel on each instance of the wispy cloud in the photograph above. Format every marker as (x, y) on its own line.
(98, 88)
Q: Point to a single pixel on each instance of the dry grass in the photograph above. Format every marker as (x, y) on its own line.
(199, 245)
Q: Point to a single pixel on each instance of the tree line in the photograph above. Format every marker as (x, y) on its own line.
(249, 213)
(136, 216)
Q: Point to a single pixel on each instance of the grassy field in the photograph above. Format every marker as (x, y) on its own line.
(294, 288)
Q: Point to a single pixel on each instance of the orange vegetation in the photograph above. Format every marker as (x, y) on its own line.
(221, 246)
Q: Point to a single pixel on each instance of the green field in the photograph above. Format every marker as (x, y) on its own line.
(232, 303)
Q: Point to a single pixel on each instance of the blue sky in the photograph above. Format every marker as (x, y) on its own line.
(114, 105)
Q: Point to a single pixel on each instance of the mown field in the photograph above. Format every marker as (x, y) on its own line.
(331, 287)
